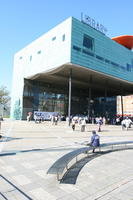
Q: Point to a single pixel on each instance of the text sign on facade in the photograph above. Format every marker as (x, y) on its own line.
(94, 24)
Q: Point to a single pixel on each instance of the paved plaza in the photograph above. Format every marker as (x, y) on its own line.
(28, 150)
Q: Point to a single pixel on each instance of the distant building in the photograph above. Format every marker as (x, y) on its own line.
(72, 69)
(127, 105)
(5, 110)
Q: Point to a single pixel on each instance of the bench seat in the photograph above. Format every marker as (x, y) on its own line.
(61, 164)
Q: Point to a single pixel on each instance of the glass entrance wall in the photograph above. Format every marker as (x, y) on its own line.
(104, 107)
(40, 96)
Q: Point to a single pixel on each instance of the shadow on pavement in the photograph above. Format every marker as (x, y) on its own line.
(7, 139)
(71, 175)
(52, 149)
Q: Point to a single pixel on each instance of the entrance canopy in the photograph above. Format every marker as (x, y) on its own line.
(85, 78)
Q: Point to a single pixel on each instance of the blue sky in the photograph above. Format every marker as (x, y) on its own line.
(22, 21)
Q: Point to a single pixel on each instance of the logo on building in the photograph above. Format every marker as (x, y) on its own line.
(94, 24)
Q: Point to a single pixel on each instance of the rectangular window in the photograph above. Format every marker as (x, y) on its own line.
(128, 67)
(115, 64)
(88, 42)
(63, 37)
(107, 61)
(76, 48)
(30, 58)
(122, 67)
(39, 52)
(99, 57)
(20, 57)
(54, 38)
(87, 52)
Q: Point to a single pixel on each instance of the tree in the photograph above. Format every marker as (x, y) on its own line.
(4, 95)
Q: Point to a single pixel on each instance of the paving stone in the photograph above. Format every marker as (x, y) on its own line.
(107, 176)
(41, 194)
(21, 179)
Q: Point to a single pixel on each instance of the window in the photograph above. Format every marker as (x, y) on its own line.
(76, 48)
(30, 58)
(129, 67)
(99, 57)
(54, 38)
(39, 52)
(122, 67)
(88, 42)
(63, 37)
(115, 64)
(20, 57)
(107, 61)
(87, 52)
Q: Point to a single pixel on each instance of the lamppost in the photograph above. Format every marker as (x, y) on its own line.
(90, 109)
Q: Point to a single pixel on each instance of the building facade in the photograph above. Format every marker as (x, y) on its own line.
(71, 69)
(127, 106)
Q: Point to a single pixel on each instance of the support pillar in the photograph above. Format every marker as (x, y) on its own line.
(122, 106)
(89, 102)
(69, 98)
(122, 110)
(105, 99)
(90, 92)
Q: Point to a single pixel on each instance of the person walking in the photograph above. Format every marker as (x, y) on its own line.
(83, 124)
(56, 120)
(99, 123)
(126, 123)
(95, 140)
(73, 124)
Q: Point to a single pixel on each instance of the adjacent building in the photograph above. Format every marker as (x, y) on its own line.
(127, 106)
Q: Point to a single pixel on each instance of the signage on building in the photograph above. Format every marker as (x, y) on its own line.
(44, 115)
(94, 24)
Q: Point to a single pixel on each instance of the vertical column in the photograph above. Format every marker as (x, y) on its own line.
(105, 99)
(89, 102)
(90, 92)
(122, 106)
(122, 111)
(36, 97)
(69, 98)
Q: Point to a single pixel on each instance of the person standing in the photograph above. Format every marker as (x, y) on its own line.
(99, 123)
(83, 124)
(53, 119)
(56, 120)
(73, 124)
(0, 130)
(126, 123)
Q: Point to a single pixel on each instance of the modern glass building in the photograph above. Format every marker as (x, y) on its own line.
(72, 69)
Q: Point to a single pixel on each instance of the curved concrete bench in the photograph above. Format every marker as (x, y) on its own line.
(65, 162)
(61, 165)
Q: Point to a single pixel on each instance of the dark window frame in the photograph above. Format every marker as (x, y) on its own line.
(88, 42)
(76, 48)
(63, 37)
(54, 38)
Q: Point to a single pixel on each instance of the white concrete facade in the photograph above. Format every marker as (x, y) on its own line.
(51, 50)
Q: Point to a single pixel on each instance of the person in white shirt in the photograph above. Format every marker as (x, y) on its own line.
(126, 123)
(83, 125)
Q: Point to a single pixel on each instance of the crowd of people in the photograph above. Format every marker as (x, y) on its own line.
(81, 121)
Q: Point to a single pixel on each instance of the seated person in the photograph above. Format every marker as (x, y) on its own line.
(95, 140)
